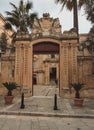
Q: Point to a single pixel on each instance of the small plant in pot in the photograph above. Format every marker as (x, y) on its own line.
(78, 101)
(10, 87)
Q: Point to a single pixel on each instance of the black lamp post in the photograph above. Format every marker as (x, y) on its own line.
(22, 101)
(55, 98)
(55, 102)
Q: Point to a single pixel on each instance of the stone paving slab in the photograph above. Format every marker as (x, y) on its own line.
(43, 106)
(12, 122)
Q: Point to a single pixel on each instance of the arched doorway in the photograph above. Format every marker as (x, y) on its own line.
(45, 67)
(46, 39)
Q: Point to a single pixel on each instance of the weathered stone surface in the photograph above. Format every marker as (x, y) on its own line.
(25, 66)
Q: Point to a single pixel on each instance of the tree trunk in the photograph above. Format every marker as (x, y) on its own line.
(75, 15)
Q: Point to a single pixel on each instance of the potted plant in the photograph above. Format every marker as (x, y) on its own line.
(78, 101)
(10, 87)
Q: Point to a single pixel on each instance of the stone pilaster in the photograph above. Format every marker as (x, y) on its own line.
(74, 63)
(63, 66)
(23, 66)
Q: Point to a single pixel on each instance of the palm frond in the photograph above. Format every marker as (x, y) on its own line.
(29, 6)
(82, 2)
(8, 26)
(20, 16)
(13, 5)
(69, 5)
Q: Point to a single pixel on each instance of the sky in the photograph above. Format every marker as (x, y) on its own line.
(49, 6)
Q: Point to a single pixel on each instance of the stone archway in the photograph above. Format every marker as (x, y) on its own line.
(24, 61)
(46, 31)
(45, 66)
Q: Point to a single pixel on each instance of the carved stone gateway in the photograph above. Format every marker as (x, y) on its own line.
(46, 37)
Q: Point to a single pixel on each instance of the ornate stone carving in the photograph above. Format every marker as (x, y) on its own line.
(71, 33)
(46, 26)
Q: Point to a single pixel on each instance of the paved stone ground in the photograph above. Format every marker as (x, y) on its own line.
(38, 113)
(44, 123)
(44, 106)
(43, 103)
(49, 90)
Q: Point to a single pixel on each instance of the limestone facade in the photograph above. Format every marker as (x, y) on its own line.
(6, 62)
(47, 54)
(8, 33)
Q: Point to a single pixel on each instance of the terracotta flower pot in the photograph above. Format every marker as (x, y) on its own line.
(9, 99)
(78, 102)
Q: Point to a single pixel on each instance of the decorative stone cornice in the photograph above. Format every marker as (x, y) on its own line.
(51, 60)
(8, 58)
(22, 36)
(71, 34)
(47, 27)
(82, 58)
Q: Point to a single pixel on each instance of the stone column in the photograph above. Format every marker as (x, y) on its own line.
(68, 64)
(74, 74)
(63, 67)
(23, 66)
(18, 64)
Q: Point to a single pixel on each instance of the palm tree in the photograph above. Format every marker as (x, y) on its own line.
(20, 16)
(77, 86)
(10, 87)
(89, 9)
(84, 2)
(73, 5)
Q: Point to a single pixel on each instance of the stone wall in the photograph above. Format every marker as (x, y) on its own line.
(73, 66)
